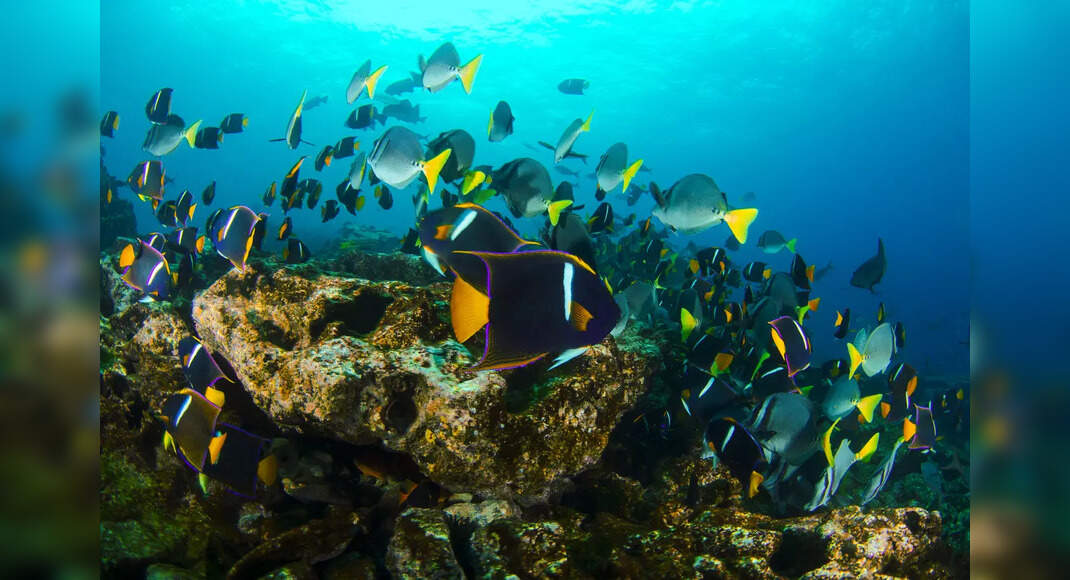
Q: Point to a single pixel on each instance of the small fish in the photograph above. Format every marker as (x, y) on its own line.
(158, 109)
(880, 313)
(185, 240)
(872, 270)
(463, 149)
(404, 85)
(363, 117)
(364, 79)
(315, 102)
(443, 67)
(145, 269)
(329, 210)
(239, 460)
(500, 125)
(346, 147)
(785, 425)
(573, 86)
(397, 159)
(285, 229)
(324, 158)
(876, 353)
(519, 290)
(292, 136)
(613, 168)
(289, 191)
(295, 251)
(386, 199)
(602, 220)
(843, 322)
(167, 213)
(313, 188)
(200, 368)
(525, 184)
(260, 231)
(570, 235)
(792, 343)
(738, 450)
(208, 195)
(164, 138)
(568, 139)
(110, 123)
(232, 234)
(881, 477)
(900, 336)
(234, 123)
(756, 271)
(771, 242)
(356, 171)
(184, 207)
(208, 138)
(902, 382)
(844, 396)
(695, 203)
(269, 195)
(801, 274)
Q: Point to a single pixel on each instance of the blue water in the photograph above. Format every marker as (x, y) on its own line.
(848, 120)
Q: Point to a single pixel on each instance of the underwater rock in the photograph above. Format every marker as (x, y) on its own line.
(378, 267)
(115, 295)
(168, 572)
(482, 513)
(513, 548)
(420, 546)
(368, 362)
(316, 541)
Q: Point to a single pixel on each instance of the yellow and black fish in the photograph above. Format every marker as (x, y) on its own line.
(109, 124)
(234, 123)
(295, 251)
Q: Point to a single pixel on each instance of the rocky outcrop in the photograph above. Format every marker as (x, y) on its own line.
(369, 362)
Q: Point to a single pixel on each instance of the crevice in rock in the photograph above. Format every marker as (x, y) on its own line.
(800, 551)
(461, 531)
(400, 412)
(356, 317)
(270, 331)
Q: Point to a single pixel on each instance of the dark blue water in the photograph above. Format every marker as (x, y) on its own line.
(848, 120)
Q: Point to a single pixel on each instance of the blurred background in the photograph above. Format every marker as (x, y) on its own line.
(49, 190)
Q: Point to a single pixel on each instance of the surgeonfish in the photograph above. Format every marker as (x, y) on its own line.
(397, 159)
(462, 149)
(444, 66)
(364, 80)
(532, 303)
(844, 395)
(500, 125)
(771, 242)
(525, 185)
(568, 139)
(292, 136)
(613, 168)
(872, 270)
(695, 203)
(876, 353)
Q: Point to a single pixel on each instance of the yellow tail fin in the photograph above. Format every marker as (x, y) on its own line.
(687, 323)
(472, 179)
(587, 124)
(191, 133)
(866, 406)
(433, 166)
(826, 442)
(739, 220)
(856, 359)
(468, 73)
(555, 208)
(373, 79)
(867, 450)
(630, 173)
(791, 244)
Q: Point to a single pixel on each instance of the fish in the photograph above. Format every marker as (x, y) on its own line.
(234, 123)
(386, 199)
(364, 80)
(184, 207)
(201, 370)
(269, 195)
(881, 477)
(232, 234)
(602, 219)
(167, 213)
(285, 229)
(771, 242)
(613, 168)
(570, 236)
(568, 139)
(443, 67)
(902, 382)
(463, 150)
(349, 197)
(329, 210)
(397, 159)
(525, 185)
(190, 425)
(738, 450)
(291, 194)
(784, 424)
(315, 102)
(363, 117)
(324, 157)
(801, 274)
(448, 235)
(313, 188)
(921, 433)
(346, 147)
(207, 137)
(239, 460)
(844, 396)
(163, 138)
(500, 124)
(843, 323)
(880, 313)
(771, 378)
(875, 356)
(872, 270)
(145, 269)
(900, 336)
(260, 231)
(295, 251)
(404, 85)
(791, 342)
(110, 123)
(535, 302)
(292, 136)
(695, 203)
(573, 86)
(566, 171)
(402, 111)
(755, 271)
(158, 109)
(208, 195)
(410, 242)
(185, 240)
(838, 465)
(821, 272)
(357, 170)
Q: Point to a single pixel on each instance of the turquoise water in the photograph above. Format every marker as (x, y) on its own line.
(848, 120)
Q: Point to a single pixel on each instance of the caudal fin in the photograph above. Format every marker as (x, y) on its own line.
(373, 79)
(587, 124)
(687, 323)
(856, 359)
(739, 221)
(791, 244)
(432, 167)
(866, 406)
(555, 208)
(868, 449)
(191, 133)
(468, 73)
(630, 173)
